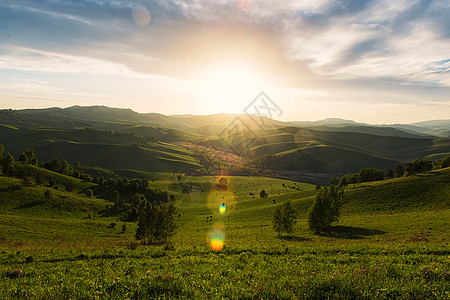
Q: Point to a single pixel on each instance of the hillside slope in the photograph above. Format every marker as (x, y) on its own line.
(98, 148)
(430, 191)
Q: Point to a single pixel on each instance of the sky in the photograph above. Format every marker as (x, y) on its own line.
(373, 61)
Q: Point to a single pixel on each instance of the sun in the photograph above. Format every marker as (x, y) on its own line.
(229, 88)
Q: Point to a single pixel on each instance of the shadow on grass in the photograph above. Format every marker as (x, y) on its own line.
(349, 232)
(29, 205)
(14, 188)
(291, 238)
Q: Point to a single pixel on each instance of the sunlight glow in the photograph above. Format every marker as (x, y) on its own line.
(231, 87)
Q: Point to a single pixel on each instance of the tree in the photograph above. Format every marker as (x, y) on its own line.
(345, 180)
(31, 157)
(418, 166)
(23, 158)
(89, 193)
(55, 165)
(100, 180)
(263, 194)
(2, 148)
(370, 174)
(326, 208)
(28, 157)
(285, 218)
(65, 168)
(390, 173)
(8, 165)
(39, 179)
(442, 163)
(354, 179)
(156, 222)
(399, 171)
(446, 163)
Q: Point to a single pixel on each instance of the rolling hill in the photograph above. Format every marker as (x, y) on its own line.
(98, 148)
(115, 138)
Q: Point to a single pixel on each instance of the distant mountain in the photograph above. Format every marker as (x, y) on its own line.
(434, 124)
(85, 116)
(328, 122)
(120, 115)
(104, 114)
(376, 130)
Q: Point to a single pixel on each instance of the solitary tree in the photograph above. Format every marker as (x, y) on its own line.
(156, 222)
(285, 218)
(326, 208)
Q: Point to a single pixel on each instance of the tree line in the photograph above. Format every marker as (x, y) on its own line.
(134, 199)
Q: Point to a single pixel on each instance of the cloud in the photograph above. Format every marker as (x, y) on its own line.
(357, 40)
(395, 48)
(28, 59)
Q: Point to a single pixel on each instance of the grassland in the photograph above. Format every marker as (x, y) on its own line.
(390, 243)
(99, 148)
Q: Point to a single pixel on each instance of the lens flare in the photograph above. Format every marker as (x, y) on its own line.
(217, 237)
(216, 199)
(141, 16)
(222, 208)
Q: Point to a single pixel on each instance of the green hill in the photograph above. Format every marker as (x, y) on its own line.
(18, 198)
(325, 159)
(98, 148)
(121, 139)
(420, 192)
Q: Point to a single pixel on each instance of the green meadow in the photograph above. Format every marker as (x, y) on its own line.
(391, 243)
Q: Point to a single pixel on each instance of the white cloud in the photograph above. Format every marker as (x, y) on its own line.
(27, 59)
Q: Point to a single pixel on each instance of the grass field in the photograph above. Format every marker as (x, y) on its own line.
(390, 243)
(98, 148)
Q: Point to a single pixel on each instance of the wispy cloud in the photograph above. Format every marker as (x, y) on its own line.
(325, 45)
